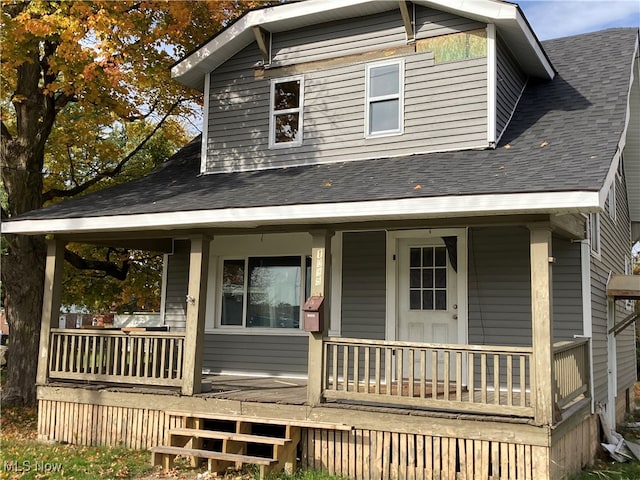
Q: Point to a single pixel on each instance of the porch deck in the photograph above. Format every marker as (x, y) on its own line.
(291, 391)
(294, 391)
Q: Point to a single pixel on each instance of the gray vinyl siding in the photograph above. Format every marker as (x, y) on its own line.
(175, 313)
(338, 38)
(567, 289)
(278, 355)
(615, 238)
(509, 85)
(363, 285)
(359, 35)
(499, 286)
(433, 23)
(445, 107)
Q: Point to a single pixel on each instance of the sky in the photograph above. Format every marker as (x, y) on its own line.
(561, 18)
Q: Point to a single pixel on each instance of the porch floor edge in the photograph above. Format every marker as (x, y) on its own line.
(472, 427)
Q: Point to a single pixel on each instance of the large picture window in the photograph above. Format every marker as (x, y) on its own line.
(384, 104)
(264, 292)
(286, 106)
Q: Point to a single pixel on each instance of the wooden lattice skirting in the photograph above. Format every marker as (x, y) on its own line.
(359, 454)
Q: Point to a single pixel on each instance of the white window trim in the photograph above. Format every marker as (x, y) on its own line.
(243, 329)
(399, 96)
(594, 230)
(272, 113)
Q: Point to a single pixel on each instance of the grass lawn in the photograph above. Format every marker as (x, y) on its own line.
(23, 457)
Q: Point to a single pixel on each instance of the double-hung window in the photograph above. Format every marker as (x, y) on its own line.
(286, 107)
(384, 98)
(264, 292)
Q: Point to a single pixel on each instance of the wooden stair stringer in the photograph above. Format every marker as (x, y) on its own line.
(188, 441)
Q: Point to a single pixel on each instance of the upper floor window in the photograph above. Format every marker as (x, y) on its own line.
(384, 102)
(285, 118)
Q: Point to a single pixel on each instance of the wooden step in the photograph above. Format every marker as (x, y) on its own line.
(161, 450)
(264, 421)
(239, 437)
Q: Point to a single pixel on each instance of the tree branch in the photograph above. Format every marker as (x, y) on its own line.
(107, 267)
(13, 10)
(57, 193)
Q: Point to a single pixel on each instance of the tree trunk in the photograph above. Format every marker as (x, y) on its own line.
(23, 280)
(22, 156)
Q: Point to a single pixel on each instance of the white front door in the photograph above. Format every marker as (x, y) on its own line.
(427, 294)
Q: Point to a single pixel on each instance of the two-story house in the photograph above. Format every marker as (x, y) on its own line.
(398, 250)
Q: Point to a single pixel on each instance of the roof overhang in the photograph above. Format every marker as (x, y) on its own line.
(507, 17)
(622, 287)
(557, 203)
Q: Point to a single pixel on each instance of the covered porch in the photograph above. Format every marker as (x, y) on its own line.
(535, 383)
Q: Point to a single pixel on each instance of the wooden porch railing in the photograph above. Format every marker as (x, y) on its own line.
(571, 370)
(471, 378)
(149, 358)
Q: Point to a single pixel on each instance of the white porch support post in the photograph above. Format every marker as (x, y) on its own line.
(196, 305)
(320, 285)
(50, 304)
(542, 388)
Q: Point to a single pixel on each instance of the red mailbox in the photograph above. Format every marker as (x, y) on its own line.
(314, 314)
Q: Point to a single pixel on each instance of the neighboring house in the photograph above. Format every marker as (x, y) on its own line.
(463, 197)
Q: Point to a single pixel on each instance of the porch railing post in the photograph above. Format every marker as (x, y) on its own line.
(320, 285)
(50, 304)
(542, 386)
(196, 304)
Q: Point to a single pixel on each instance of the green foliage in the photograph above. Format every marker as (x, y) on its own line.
(22, 457)
(99, 292)
(19, 448)
(611, 471)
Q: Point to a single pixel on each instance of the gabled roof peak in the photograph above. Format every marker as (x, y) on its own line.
(507, 17)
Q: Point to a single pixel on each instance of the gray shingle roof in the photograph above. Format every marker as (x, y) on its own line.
(579, 117)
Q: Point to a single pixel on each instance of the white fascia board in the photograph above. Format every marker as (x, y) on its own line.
(251, 217)
(545, 64)
(223, 46)
(613, 167)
